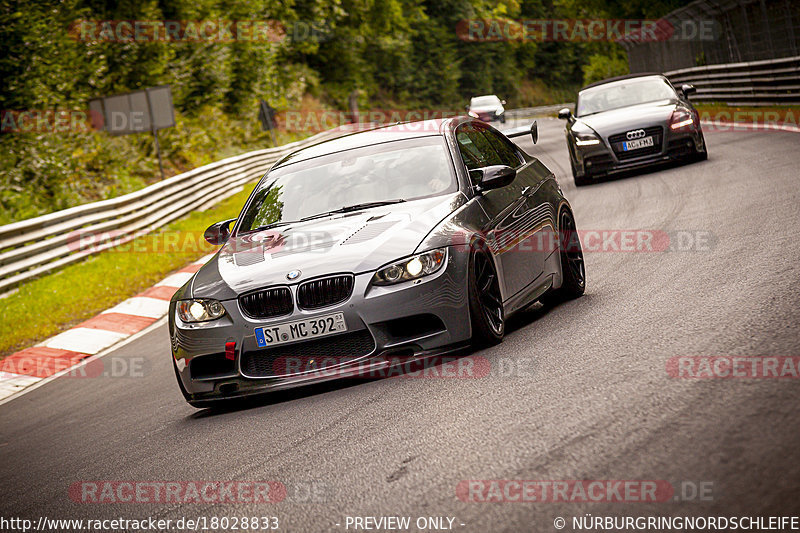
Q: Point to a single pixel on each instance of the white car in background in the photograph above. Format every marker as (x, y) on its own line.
(487, 108)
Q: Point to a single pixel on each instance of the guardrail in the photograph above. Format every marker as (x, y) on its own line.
(535, 111)
(767, 82)
(36, 246)
(32, 247)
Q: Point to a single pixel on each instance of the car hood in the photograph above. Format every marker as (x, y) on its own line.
(487, 109)
(627, 118)
(351, 242)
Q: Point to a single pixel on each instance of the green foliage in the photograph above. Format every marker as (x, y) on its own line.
(393, 53)
(45, 172)
(602, 66)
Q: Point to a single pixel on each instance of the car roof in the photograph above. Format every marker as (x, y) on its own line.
(373, 135)
(621, 78)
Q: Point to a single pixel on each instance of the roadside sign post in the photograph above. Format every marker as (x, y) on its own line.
(136, 112)
(352, 104)
(266, 114)
(155, 136)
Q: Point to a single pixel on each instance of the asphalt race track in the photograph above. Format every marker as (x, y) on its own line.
(580, 391)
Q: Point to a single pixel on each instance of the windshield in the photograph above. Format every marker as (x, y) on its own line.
(397, 170)
(480, 101)
(623, 94)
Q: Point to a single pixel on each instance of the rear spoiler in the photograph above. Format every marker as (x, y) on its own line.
(533, 129)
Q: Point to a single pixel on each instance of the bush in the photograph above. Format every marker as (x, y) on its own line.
(602, 66)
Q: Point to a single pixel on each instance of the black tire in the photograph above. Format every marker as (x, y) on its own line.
(503, 119)
(702, 155)
(573, 283)
(579, 181)
(485, 302)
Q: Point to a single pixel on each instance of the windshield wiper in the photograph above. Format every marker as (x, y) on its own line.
(354, 207)
(269, 226)
(345, 209)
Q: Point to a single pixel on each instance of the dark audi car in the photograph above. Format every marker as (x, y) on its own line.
(628, 122)
(408, 240)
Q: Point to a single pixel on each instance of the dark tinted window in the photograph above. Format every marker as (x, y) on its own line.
(407, 169)
(476, 151)
(624, 93)
(505, 150)
(481, 147)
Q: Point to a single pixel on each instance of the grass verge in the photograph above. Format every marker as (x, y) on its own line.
(56, 302)
(778, 114)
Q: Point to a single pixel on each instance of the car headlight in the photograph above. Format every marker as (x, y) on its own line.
(473, 114)
(414, 267)
(680, 119)
(199, 310)
(586, 139)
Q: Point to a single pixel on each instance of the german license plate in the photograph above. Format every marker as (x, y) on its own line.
(638, 143)
(309, 328)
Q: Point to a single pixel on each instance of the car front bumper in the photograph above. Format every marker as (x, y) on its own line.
(412, 320)
(600, 160)
(490, 116)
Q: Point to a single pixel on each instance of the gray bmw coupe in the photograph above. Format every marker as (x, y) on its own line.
(628, 122)
(408, 240)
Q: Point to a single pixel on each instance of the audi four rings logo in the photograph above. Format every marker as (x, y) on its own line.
(635, 134)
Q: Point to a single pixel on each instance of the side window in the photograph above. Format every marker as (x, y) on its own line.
(505, 150)
(476, 151)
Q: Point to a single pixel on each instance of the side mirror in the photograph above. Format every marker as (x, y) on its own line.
(218, 233)
(503, 102)
(565, 114)
(466, 107)
(688, 89)
(535, 132)
(496, 176)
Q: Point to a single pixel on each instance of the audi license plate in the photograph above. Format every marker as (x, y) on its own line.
(638, 143)
(300, 330)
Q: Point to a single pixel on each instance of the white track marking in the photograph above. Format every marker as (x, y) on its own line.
(148, 329)
(10, 386)
(176, 280)
(84, 340)
(141, 306)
